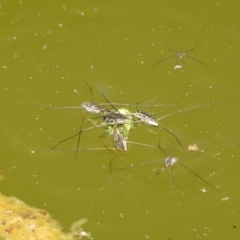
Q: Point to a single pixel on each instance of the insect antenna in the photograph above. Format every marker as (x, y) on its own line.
(88, 87)
(189, 50)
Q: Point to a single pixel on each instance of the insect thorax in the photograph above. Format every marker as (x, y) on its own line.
(170, 161)
(115, 118)
(119, 140)
(93, 107)
(146, 118)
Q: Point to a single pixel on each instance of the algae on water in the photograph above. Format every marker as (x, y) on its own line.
(20, 221)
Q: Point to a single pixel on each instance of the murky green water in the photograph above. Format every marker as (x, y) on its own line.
(47, 47)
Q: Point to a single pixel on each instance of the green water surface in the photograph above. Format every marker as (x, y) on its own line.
(46, 48)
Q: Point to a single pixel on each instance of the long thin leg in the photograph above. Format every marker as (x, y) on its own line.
(170, 173)
(198, 176)
(164, 166)
(147, 162)
(172, 50)
(141, 144)
(183, 110)
(161, 169)
(110, 165)
(103, 104)
(181, 60)
(198, 61)
(138, 165)
(79, 135)
(189, 50)
(180, 56)
(80, 132)
(159, 147)
(88, 86)
(66, 139)
(183, 54)
(162, 60)
(114, 154)
(180, 111)
(160, 125)
(109, 101)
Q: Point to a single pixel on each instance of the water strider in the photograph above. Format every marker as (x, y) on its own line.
(108, 118)
(119, 140)
(92, 108)
(118, 117)
(149, 119)
(142, 116)
(180, 56)
(120, 143)
(145, 117)
(109, 122)
(169, 161)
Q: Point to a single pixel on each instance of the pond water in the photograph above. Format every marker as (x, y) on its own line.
(47, 49)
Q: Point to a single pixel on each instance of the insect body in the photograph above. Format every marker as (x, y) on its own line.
(115, 119)
(146, 118)
(119, 140)
(93, 107)
(180, 56)
(169, 161)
